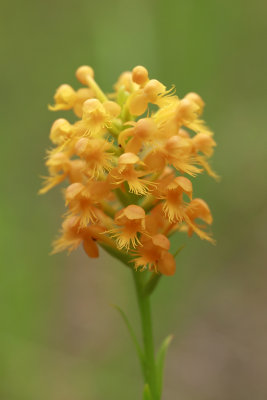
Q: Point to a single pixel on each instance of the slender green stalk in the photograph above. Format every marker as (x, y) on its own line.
(148, 341)
(123, 257)
(152, 283)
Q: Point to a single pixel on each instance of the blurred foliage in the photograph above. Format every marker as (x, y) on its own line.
(59, 338)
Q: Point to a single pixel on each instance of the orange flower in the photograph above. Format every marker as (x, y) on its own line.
(73, 235)
(176, 151)
(156, 220)
(94, 117)
(173, 205)
(131, 221)
(65, 98)
(126, 172)
(143, 131)
(61, 131)
(198, 208)
(154, 255)
(204, 143)
(60, 168)
(96, 153)
(86, 200)
(150, 91)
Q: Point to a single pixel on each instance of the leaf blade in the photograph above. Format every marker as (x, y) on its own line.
(132, 334)
(160, 361)
(147, 393)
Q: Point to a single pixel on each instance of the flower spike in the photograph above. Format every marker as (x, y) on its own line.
(129, 161)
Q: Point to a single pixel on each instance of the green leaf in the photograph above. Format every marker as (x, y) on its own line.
(147, 393)
(160, 361)
(132, 334)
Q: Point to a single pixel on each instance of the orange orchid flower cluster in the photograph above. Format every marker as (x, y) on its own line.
(127, 160)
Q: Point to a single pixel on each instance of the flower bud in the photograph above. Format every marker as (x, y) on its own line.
(140, 75)
(83, 72)
(138, 103)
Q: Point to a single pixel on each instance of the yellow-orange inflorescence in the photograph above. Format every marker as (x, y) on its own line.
(129, 161)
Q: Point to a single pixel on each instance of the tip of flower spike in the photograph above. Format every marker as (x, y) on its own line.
(140, 75)
(83, 72)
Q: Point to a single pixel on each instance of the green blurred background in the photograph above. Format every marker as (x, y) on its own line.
(60, 339)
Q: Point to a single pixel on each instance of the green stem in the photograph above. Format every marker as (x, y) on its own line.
(121, 256)
(148, 341)
(152, 283)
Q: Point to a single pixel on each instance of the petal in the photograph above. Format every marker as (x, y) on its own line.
(134, 212)
(91, 248)
(161, 241)
(128, 159)
(167, 265)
